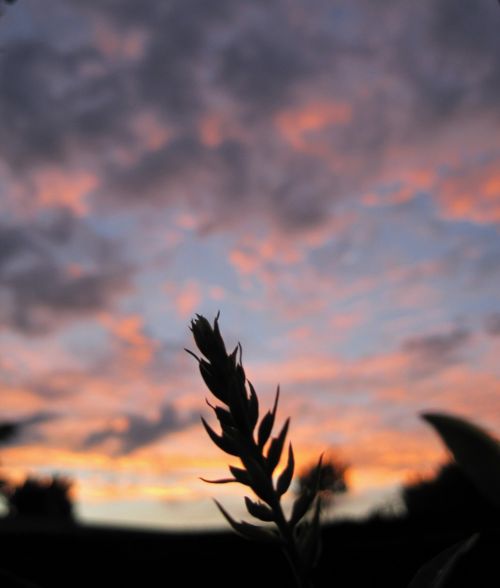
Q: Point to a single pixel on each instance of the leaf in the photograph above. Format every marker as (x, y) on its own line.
(211, 381)
(266, 425)
(237, 402)
(248, 531)
(221, 481)
(476, 452)
(253, 407)
(223, 416)
(276, 447)
(261, 483)
(300, 506)
(241, 475)
(286, 475)
(259, 511)
(309, 542)
(304, 501)
(203, 334)
(222, 442)
(436, 572)
(265, 428)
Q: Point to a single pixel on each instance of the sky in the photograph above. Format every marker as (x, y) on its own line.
(325, 173)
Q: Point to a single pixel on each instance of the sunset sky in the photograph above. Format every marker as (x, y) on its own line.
(325, 173)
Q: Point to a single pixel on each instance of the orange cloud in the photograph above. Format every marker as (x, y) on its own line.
(54, 187)
(139, 348)
(186, 297)
(211, 131)
(150, 131)
(298, 125)
(473, 194)
(126, 45)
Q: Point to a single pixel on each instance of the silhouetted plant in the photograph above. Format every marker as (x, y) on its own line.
(478, 454)
(35, 498)
(246, 436)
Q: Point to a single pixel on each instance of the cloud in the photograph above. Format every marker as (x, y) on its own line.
(28, 428)
(134, 431)
(264, 109)
(186, 297)
(492, 324)
(55, 271)
(431, 353)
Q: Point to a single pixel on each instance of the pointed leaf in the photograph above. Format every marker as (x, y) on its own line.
(237, 402)
(259, 511)
(266, 425)
(309, 541)
(436, 572)
(240, 475)
(224, 417)
(303, 503)
(248, 531)
(219, 345)
(477, 453)
(192, 354)
(222, 442)
(286, 475)
(261, 483)
(212, 382)
(265, 428)
(276, 447)
(253, 407)
(203, 335)
(221, 481)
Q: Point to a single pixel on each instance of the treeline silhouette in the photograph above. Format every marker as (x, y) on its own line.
(439, 510)
(448, 500)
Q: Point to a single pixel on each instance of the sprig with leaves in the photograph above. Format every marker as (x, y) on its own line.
(250, 438)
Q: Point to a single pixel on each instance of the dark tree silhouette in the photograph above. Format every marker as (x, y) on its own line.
(449, 500)
(7, 431)
(40, 498)
(332, 479)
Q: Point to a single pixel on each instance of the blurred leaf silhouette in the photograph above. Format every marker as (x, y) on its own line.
(246, 436)
(478, 455)
(477, 452)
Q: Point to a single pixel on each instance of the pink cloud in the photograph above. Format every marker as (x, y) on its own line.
(186, 297)
(55, 187)
(126, 45)
(472, 193)
(299, 125)
(129, 330)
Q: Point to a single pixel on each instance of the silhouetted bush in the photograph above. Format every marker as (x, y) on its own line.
(449, 500)
(7, 431)
(39, 498)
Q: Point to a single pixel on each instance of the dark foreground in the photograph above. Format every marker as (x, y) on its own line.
(378, 554)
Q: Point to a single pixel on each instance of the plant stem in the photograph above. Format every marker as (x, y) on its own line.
(290, 548)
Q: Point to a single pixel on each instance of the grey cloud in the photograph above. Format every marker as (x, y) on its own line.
(38, 290)
(75, 103)
(432, 353)
(262, 69)
(492, 324)
(27, 429)
(452, 63)
(48, 102)
(141, 431)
